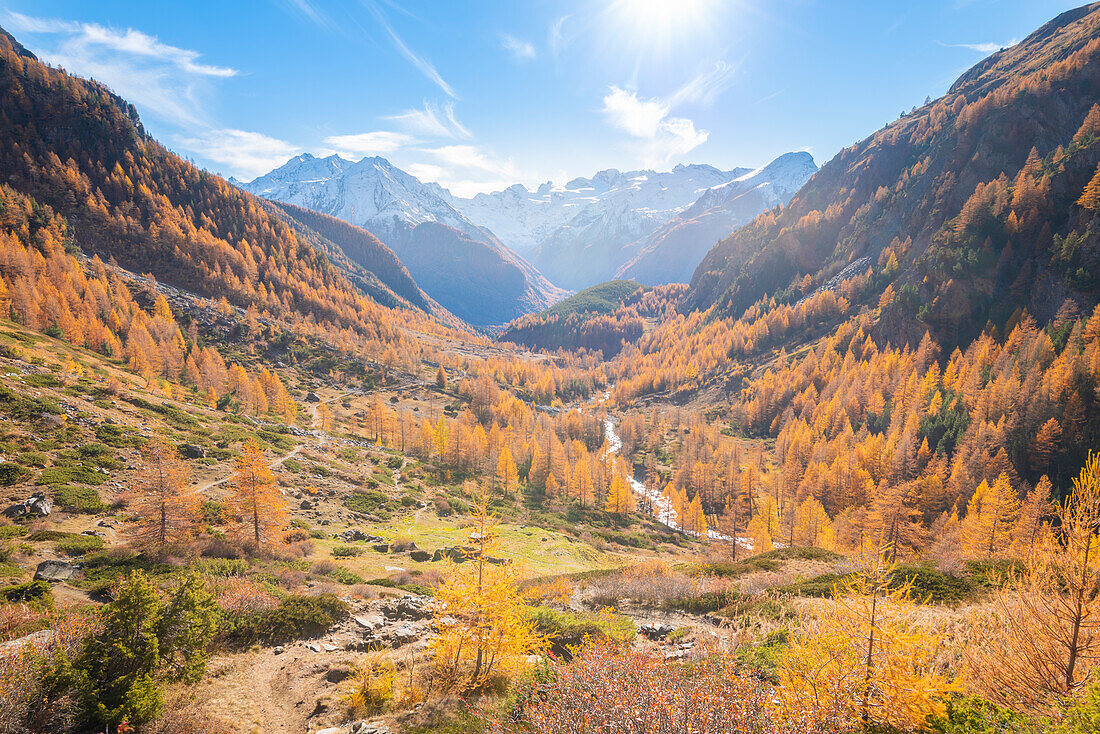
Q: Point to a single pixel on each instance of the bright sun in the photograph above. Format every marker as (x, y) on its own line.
(659, 23)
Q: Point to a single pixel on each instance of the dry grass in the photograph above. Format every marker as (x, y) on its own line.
(651, 583)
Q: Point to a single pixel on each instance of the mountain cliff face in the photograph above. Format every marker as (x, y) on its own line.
(592, 228)
(670, 253)
(969, 208)
(461, 265)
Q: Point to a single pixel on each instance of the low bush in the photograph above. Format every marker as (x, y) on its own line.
(78, 545)
(66, 474)
(347, 551)
(565, 632)
(79, 499)
(11, 473)
(31, 591)
(772, 560)
(295, 618)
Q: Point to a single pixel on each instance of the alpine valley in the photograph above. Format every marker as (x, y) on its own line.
(676, 448)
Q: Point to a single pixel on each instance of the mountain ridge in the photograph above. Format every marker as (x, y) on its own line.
(459, 264)
(973, 196)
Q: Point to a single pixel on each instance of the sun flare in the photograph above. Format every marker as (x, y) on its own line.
(659, 23)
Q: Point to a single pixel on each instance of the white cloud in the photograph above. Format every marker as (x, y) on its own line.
(982, 48)
(636, 116)
(433, 120)
(522, 50)
(556, 35)
(310, 11)
(706, 86)
(246, 154)
(422, 64)
(130, 41)
(466, 170)
(470, 157)
(426, 171)
(658, 138)
(163, 80)
(381, 142)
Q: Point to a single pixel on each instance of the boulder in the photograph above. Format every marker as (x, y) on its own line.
(312, 398)
(368, 622)
(454, 553)
(402, 634)
(407, 607)
(55, 571)
(353, 534)
(381, 547)
(420, 556)
(191, 451)
(337, 673)
(656, 630)
(37, 504)
(362, 727)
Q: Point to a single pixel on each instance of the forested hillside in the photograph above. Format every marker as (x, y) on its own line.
(979, 202)
(359, 252)
(74, 145)
(602, 318)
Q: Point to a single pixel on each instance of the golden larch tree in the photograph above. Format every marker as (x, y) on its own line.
(867, 658)
(483, 628)
(620, 499)
(163, 509)
(990, 517)
(1042, 642)
(256, 500)
(507, 475)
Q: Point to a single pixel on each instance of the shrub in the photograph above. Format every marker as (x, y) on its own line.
(973, 715)
(371, 687)
(31, 591)
(113, 435)
(185, 629)
(213, 513)
(650, 584)
(769, 561)
(66, 474)
(565, 632)
(295, 617)
(366, 502)
(226, 567)
(7, 532)
(11, 473)
(80, 499)
(345, 576)
(346, 551)
(239, 596)
(606, 686)
(78, 545)
(114, 673)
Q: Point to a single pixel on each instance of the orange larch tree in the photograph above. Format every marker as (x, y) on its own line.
(164, 511)
(256, 499)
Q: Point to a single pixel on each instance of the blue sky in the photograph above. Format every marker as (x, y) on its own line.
(479, 95)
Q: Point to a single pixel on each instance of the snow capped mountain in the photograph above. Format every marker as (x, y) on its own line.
(372, 193)
(654, 227)
(461, 265)
(671, 252)
(584, 232)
